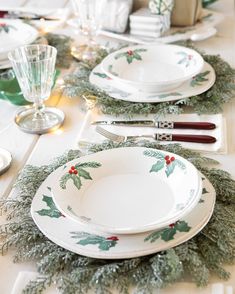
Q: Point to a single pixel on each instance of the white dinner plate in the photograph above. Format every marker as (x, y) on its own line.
(14, 33)
(195, 86)
(153, 68)
(80, 239)
(127, 190)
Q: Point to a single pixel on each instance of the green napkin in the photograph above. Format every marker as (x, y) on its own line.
(10, 89)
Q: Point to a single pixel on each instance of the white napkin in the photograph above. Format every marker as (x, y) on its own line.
(180, 288)
(89, 134)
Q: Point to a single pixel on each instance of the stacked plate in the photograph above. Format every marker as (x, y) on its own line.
(123, 203)
(14, 33)
(153, 73)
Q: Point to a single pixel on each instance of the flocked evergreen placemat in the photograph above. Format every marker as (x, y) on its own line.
(77, 84)
(199, 257)
(211, 101)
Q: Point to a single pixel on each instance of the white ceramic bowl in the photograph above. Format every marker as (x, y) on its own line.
(127, 190)
(153, 68)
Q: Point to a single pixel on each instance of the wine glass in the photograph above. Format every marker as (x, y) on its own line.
(89, 12)
(34, 67)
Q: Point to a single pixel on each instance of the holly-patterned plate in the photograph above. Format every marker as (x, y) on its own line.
(126, 190)
(153, 68)
(15, 33)
(79, 238)
(194, 86)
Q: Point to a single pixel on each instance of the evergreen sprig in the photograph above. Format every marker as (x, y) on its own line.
(198, 258)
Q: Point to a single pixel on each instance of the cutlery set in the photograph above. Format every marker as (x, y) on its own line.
(206, 139)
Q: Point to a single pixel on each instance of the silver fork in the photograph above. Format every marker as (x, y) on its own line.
(117, 138)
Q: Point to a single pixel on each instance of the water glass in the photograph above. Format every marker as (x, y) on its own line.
(90, 13)
(34, 67)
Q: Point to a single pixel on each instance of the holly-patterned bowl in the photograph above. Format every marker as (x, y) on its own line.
(126, 190)
(153, 68)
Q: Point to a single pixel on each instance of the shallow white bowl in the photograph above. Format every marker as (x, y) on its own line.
(127, 190)
(153, 68)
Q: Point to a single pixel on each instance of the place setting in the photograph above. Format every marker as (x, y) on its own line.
(125, 191)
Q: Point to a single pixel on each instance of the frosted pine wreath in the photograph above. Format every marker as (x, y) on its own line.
(199, 257)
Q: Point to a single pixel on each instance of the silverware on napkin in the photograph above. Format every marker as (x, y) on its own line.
(25, 15)
(159, 137)
(158, 124)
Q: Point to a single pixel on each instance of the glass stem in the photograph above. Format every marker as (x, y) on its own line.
(39, 110)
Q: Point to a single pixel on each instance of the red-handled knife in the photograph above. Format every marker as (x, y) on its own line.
(205, 139)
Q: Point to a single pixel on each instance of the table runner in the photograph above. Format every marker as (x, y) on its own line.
(199, 257)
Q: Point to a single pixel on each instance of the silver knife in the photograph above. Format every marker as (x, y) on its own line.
(158, 124)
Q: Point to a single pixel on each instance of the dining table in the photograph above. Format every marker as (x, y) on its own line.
(34, 149)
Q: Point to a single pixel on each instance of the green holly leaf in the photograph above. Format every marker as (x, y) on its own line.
(89, 239)
(199, 79)
(63, 180)
(107, 244)
(168, 234)
(170, 168)
(84, 174)
(180, 164)
(157, 166)
(77, 181)
(52, 211)
(91, 164)
(182, 226)
(129, 58)
(137, 56)
(153, 236)
(49, 201)
(156, 154)
(101, 75)
(75, 178)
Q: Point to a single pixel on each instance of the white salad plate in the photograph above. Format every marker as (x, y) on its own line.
(126, 190)
(194, 86)
(14, 33)
(153, 68)
(80, 239)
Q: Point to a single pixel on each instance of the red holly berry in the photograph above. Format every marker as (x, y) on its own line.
(172, 225)
(190, 57)
(130, 52)
(172, 158)
(75, 172)
(167, 157)
(72, 167)
(112, 238)
(168, 162)
(70, 171)
(2, 24)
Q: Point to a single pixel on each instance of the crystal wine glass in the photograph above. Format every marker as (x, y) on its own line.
(89, 12)
(34, 67)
